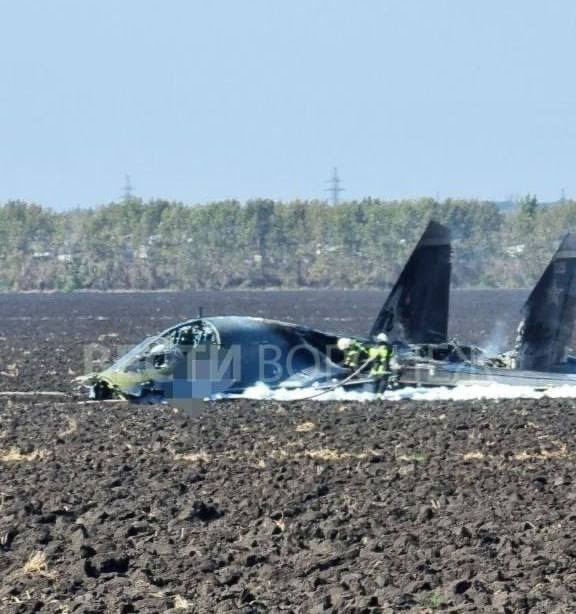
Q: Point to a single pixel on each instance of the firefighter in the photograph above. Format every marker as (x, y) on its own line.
(355, 353)
(380, 355)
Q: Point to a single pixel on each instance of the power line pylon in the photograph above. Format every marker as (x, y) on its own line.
(335, 187)
(127, 190)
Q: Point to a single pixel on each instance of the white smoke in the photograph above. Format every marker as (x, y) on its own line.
(497, 342)
(459, 393)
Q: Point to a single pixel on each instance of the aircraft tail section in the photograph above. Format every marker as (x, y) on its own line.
(416, 310)
(549, 312)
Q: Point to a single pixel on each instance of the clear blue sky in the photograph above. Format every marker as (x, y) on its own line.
(201, 100)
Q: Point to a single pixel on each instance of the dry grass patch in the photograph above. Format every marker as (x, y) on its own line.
(180, 603)
(14, 455)
(37, 564)
(524, 455)
(475, 455)
(416, 457)
(280, 454)
(323, 454)
(329, 455)
(193, 457)
(71, 428)
(305, 427)
(258, 459)
(543, 455)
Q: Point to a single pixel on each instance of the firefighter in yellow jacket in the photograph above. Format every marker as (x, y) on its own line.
(380, 355)
(355, 353)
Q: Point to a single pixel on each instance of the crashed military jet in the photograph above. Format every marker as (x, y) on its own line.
(224, 355)
(211, 357)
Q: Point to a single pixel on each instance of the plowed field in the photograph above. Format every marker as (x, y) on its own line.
(272, 507)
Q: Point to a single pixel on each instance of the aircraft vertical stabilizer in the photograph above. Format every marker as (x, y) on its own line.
(416, 310)
(549, 312)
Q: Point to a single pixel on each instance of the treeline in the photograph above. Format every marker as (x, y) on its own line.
(168, 245)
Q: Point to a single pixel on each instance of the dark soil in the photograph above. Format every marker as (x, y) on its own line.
(273, 507)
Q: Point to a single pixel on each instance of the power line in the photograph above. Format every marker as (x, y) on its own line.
(335, 187)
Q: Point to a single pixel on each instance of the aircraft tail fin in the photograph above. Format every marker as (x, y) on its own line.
(549, 312)
(416, 310)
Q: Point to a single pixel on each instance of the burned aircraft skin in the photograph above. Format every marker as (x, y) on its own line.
(224, 355)
(416, 310)
(206, 357)
(549, 315)
(539, 358)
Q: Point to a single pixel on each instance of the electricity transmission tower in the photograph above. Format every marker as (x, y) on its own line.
(335, 187)
(127, 190)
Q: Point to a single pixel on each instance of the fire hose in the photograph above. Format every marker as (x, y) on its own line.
(342, 382)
